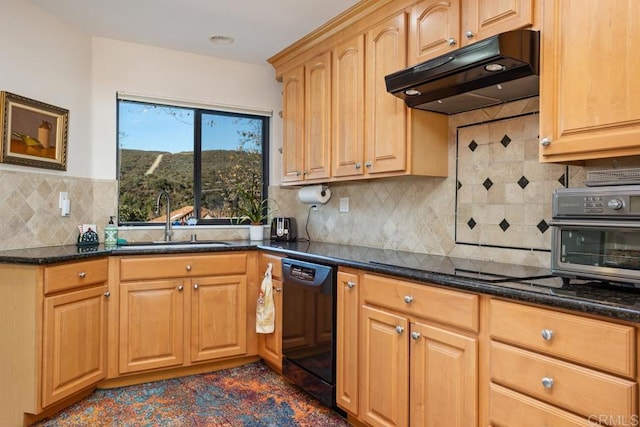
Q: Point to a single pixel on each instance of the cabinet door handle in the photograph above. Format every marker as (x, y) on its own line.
(415, 335)
(195, 286)
(367, 164)
(278, 289)
(545, 142)
(107, 294)
(297, 173)
(180, 288)
(82, 275)
(547, 334)
(351, 284)
(408, 299)
(452, 41)
(399, 329)
(469, 34)
(188, 268)
(547, 382)
(358, 165)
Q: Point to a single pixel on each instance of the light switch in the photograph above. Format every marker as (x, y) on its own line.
(344, 204)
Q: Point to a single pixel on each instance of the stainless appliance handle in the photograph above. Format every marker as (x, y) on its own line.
(600, 224)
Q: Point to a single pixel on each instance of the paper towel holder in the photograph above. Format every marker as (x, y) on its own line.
(314, 194)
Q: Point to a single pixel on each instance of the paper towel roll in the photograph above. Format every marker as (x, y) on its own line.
(314, 194)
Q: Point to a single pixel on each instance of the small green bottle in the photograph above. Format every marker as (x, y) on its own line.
(111, 233)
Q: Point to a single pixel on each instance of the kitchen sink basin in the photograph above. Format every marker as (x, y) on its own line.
(174, 244)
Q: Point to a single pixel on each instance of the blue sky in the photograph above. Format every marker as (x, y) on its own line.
(171, 129)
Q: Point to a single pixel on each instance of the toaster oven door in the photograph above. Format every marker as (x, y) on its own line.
(597, 249)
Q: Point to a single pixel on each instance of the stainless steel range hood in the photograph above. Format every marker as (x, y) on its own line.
(499, 69)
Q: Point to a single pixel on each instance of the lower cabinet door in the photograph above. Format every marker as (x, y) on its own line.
(385, 368)
(347, 309)
(151, 325)
(270, 345)
(218, 317)
(74, 342)
(443, 378)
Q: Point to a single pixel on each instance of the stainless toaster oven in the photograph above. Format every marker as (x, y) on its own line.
(596, 234)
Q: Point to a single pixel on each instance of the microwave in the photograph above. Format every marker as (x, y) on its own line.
(596, 234)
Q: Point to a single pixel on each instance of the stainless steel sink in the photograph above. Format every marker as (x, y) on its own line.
(175, 244)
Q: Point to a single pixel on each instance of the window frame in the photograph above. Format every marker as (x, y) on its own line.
(198, 110)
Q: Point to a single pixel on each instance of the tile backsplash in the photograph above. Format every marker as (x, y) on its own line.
(499, 184)
(30, 213)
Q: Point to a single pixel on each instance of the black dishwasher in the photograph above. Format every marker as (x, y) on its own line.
(308, 327)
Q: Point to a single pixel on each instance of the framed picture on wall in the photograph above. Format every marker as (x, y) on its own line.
(33, 133)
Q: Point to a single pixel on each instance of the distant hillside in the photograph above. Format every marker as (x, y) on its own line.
(222, 170)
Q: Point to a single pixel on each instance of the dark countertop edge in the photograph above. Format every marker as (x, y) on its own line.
(449, 282)
(550, 300)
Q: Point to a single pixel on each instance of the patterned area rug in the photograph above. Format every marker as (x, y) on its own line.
(250, 395)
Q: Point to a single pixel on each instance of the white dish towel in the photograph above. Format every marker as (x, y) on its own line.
(265, 311)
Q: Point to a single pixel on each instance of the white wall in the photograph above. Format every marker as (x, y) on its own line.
(44, 59)
(144, 70)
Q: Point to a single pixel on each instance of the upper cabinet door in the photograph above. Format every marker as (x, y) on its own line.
(434, 29)
(293, 125)
(589, 86)
(348, 108)
(386, 130)
(318, 117)
(485, 18)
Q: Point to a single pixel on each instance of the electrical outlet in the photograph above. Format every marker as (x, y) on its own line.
(344, 204)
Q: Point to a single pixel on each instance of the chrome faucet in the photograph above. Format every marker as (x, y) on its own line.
(168, 232)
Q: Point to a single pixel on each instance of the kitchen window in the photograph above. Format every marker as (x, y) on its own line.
(199, 155)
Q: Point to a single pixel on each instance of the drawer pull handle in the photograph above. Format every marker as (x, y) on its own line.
(188, 267)
(547, 334)
(195, 286)
(351, 284)
(278, 289)
(82, 275)
(399, 329)
(415, 335)
(107, 294)
(547, 382)
(408, 299)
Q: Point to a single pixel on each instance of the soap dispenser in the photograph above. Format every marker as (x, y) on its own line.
(111, 233)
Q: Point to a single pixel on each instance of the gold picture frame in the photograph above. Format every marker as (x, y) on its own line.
(33, 133)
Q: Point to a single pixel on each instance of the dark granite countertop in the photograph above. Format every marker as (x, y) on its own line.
(466, 275)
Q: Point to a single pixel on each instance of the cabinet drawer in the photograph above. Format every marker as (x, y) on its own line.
(597, 343)
(450, 307)
(75, 275)
(572, 387)
(276, 261)
(160, 267)
(508, 408)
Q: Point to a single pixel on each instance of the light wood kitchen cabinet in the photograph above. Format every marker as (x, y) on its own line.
(151, 324)
(348, 108)
(181, 310)
(373, 133)
(417, 368)
(438, 27)
(434, 29)
(552, 364)
(589, 104)
(53, 330)
(74, 341)
(486, 18)
(293, 131)
(270, 345)
(347, 322)
(307, 121)
(386, 115)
